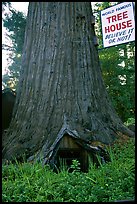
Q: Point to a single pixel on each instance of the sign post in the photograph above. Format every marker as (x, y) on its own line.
(118, 24)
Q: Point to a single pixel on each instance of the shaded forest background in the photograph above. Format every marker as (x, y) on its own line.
(117, 63)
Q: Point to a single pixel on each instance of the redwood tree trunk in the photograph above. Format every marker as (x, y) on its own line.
(61, 88)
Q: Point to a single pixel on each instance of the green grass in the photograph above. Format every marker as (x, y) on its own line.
(112, 181)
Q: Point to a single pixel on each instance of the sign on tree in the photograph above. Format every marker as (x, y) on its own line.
(118, 24)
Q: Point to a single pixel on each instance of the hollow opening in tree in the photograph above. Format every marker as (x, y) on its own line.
(69, 150)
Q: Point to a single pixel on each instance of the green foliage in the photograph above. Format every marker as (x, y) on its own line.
(112, 181)
(5, 4)
(119, 79)
(75, 166)
(15, 23)
(130, 121)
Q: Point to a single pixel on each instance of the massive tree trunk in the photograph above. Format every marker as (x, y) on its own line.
(61, 90)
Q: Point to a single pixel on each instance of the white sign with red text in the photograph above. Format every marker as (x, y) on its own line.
(118, 24)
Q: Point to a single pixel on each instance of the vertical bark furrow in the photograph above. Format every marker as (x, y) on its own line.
(57, 76)
(32, 69)
(48, 72)
(75, 41)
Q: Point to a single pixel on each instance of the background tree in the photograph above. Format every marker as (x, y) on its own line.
(14, 22)
(61, 88)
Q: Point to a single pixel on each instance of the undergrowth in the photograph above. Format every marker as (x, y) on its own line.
(111, 181)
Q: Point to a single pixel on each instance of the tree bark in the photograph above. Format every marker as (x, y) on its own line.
(61, 90)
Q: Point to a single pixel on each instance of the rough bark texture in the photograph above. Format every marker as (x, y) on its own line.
(61, 90)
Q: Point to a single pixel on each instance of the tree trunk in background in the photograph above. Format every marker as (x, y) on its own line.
(61, 88)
